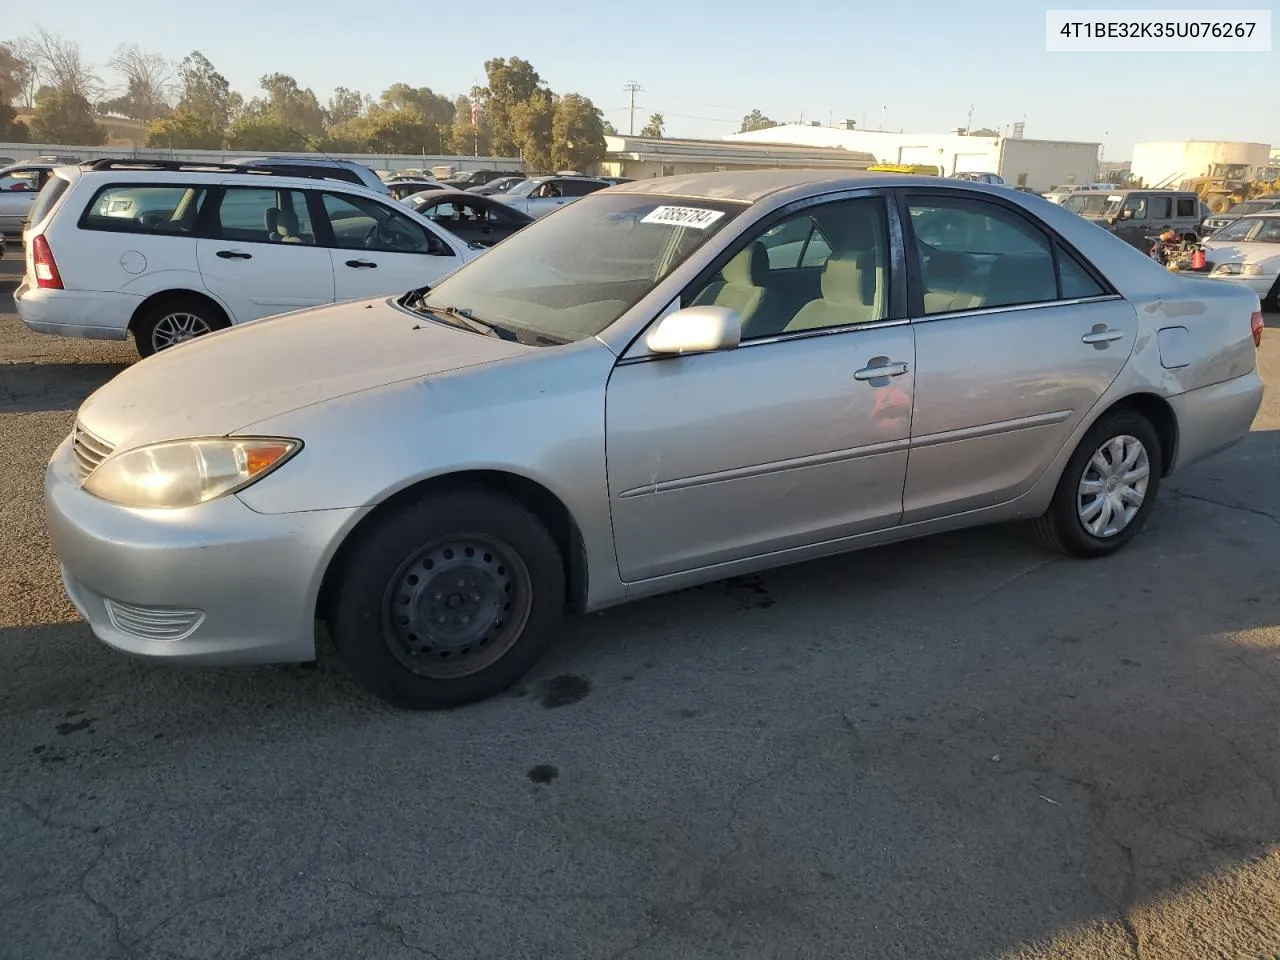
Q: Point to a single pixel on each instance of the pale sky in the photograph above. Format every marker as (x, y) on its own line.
(704, 65)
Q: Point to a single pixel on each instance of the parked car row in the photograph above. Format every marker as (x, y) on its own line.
(665, 383)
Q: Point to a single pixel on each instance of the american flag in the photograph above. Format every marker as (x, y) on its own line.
(475, 113)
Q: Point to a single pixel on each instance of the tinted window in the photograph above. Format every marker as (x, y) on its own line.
(580, 188)
(1161, 208)
(136, 208)
(260, 215)
(362, 224)
(974, 254)
(48, 197)
(1186, 206)
(1074, 280)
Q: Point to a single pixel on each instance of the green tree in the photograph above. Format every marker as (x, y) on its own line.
(287, 105)
(430, 107)
(264, 131)
(63, 116)
(654, 127)
(346, 105)
(577, 133)
(512, 83)
(205, 104)
(532, 123)
(148, 78)
(755, 120)
(609, 129)
(12, 130)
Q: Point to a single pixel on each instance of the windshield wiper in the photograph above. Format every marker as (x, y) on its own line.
(463, 317)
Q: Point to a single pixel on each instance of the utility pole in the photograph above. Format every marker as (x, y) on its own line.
(633, 88)
(968, 127)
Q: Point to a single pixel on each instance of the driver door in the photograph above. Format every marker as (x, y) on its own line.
(377, 250)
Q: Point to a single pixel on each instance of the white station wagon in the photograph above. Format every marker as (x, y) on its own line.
(169, 251)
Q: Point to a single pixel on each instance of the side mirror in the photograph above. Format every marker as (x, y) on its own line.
(696, 330)
(1126, 214)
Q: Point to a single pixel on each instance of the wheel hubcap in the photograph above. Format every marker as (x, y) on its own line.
(174, 328)
(1114, 486)
(456, 606)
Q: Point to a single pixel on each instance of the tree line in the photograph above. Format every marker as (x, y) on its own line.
(190, 105)
(65, 99)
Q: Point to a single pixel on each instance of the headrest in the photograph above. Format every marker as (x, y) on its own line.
(1021, 279)
(749, 268)
(271, 218)
(287, 223)
(848, 277)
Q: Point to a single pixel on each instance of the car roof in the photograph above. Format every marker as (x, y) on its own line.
(72, 172)
(749, 186)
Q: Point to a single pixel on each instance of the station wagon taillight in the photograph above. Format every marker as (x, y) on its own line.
(47, 276)
(1256, 325)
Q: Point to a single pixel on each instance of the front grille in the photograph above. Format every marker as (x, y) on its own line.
(89, 450)
(153, 623)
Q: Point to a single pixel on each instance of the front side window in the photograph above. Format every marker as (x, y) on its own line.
(571, 276)
(263, 215)
(767, 283)
(136, 208)
(580, 188)
(359, 223)
(974, 254)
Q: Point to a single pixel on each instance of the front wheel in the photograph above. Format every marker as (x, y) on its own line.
(1107, 489)
(447, 601)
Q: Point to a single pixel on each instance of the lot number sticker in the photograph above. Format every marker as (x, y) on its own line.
(695, 217)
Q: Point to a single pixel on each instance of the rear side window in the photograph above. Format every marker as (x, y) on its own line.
(263, 215)
(1186, 206)
(48, 198)
(140, 208)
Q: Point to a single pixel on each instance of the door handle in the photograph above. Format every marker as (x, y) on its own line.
(1102, 335)
(361, 263)
(234, 255)
(885, 369)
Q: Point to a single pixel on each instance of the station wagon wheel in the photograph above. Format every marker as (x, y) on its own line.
(1107, 488)
(175, 319)
(445, 600)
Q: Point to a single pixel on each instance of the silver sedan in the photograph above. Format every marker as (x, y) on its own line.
(668, 382)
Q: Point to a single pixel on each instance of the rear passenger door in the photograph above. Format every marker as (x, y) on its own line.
(376, 250)
(1016, 340)
(260, 257)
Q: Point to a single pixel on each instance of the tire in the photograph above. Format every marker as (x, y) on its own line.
(1062, 527)
(1271, 302)
(478, 563)
(161, 323)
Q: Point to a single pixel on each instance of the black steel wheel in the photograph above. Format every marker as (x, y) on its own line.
(446, 600)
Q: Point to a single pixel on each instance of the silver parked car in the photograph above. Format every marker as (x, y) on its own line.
(542, 195)
(670, 382)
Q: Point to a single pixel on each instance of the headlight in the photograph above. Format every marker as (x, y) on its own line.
(1239, 269)
(183, 473)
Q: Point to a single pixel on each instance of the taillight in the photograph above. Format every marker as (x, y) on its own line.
(1256, 325)
(47, 276)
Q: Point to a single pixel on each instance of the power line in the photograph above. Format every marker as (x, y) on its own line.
(633, 88)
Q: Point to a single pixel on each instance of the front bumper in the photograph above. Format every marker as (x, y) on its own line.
(214, 584)
(76, 313)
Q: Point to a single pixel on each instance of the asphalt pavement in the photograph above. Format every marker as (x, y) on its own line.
(960, 747)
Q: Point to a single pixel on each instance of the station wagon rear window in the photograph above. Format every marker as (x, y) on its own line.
(141, 208)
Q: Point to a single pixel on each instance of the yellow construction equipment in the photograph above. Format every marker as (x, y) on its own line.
(1228, 184)
(921, 169)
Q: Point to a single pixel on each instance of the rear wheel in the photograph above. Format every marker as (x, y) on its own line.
(1107, 489)
(175, 320)
(447, 601)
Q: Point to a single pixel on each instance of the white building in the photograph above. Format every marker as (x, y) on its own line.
(1038, 164)
(1172, 161)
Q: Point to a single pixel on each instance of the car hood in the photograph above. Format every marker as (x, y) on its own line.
(1233, 251)
(226, 381)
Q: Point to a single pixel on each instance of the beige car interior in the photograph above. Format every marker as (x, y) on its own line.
(282, 226)
(741, 288)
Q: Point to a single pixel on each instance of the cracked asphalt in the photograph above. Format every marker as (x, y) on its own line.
(954, 748)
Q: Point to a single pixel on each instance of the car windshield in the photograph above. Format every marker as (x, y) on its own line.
(523, 188)
(1251, 230)
(1087, 205)
(1249, 206)
(571, 275)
